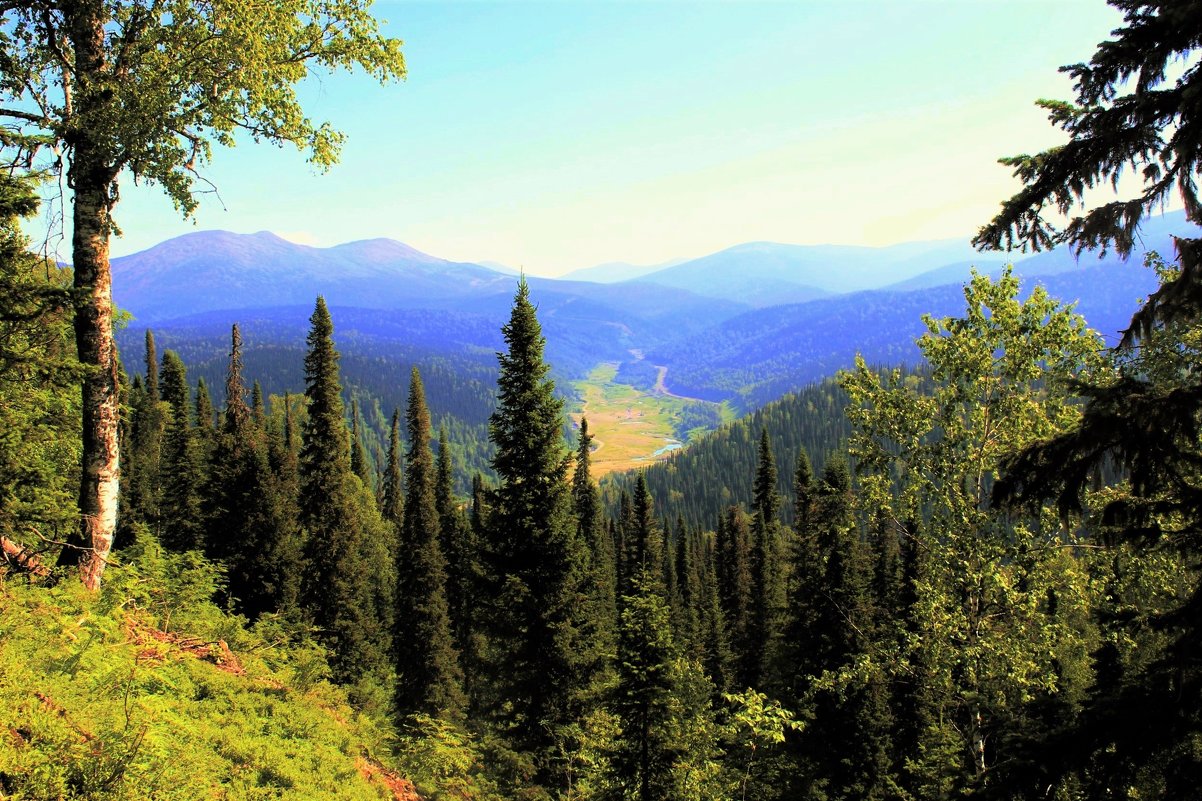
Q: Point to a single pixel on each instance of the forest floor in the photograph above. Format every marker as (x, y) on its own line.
(631, 427)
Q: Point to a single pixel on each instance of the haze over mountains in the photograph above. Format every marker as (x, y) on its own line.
(744, 324)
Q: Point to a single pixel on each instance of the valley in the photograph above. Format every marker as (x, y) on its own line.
(632, 427)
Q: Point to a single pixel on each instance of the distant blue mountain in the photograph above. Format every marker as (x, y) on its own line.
(746, 324)
(395, 293)
(212, 270)
(769, 274)
(759, 356)
(1156, 234)
(615, 271)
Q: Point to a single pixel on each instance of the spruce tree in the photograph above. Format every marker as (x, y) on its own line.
(284, 549)
(601, 619)
(143, 450)
(258, 407)
(251, 521)
(392, 491)
(360, 465)
(765, 497)
(429, 679)
(661, 698)
(204, 409)
(738, 592)
(236, 414)
(462, 555)
(535, 560)
(347, 586)
(768, 578)
(151, 384)
(182, 468)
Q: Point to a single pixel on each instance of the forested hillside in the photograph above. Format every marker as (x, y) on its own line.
(699, 483)
(246, 571)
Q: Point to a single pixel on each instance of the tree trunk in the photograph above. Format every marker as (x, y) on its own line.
(91, 177)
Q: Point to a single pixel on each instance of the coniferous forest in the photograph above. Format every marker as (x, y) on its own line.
(977, 577)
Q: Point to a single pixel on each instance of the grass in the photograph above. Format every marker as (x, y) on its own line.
(630, 425)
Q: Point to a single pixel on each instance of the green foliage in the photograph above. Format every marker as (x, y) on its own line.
(39, 397)
(985, 642)
(244, 62)
(535, 562)
(444, 761)
(349, 584)
(717, 470)
(754, 724)
(429, 678)
(125, 695)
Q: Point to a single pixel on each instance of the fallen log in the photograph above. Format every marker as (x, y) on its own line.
(23, 558)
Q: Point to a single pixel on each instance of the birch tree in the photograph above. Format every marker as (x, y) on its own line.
(101, 91)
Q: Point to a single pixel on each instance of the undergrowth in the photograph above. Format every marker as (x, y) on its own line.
(147, 690)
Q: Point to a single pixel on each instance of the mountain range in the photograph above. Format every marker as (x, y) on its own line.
(745, 324)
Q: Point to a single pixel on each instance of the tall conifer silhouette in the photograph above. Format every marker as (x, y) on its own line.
(429, 678)
(535, 559)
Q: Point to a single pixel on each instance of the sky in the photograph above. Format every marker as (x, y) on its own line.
(558, 135)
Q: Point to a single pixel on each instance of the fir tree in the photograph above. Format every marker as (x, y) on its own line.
(600, 625)
(535, 559)
(151, 385)
(429, 679)
(360, 465)
(346, 589)
(392, 495)
(204, 409)
(182, 468)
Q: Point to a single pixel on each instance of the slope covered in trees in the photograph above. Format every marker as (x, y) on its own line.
(991, 591)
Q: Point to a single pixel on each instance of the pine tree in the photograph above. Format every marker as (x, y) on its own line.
(429, 678)
(535, 560)
(348, 585)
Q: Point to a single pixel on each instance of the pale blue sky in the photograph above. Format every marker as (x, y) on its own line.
(557, 135)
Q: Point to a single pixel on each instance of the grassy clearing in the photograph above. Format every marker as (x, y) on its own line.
(633, 428)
